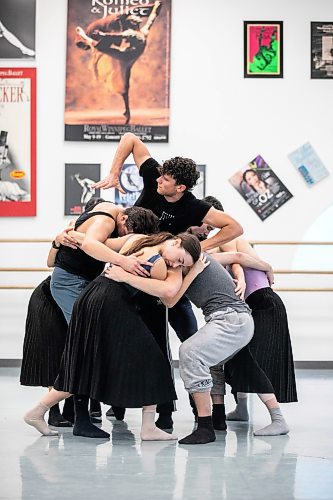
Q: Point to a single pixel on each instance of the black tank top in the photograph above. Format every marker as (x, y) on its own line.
(78, 262)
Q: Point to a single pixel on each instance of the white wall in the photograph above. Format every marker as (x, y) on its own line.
(218, 118)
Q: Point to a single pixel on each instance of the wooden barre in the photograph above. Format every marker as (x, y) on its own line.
(32, 269)
(291, 242)
(25, 240)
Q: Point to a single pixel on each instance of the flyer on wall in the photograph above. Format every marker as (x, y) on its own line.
(308, 163)
(79, 179)
(119, 53)
(17, 29)
(322, 50)
(260, 187)
(132, 183)
(263, 49)
(17, 141)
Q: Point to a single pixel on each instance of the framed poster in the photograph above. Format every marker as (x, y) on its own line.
(199, 189)
(263, 49)
(17, 29)
(79, 179)
(119, 53)
(132, 184)
(322, 50)
(17, 141)
(260, 187)
(308, 163)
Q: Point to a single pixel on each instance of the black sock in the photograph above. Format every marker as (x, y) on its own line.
(164, 420)
(218, 417)
(203, 434)
(83, 425)
(95, 408)
(194, 408)
(56, 419)
(119, 412)
(68, 409)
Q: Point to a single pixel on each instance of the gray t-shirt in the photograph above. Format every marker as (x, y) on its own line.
(214, 290)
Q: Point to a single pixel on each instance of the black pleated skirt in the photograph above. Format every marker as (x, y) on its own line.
(266, 365)
(110, 353)
(44, 340)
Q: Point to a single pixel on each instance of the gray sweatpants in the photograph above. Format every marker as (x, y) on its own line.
(201, 356)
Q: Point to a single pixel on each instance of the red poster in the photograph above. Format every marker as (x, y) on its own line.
(17, 142)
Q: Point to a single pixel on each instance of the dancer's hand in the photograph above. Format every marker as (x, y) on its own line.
(132, 264)
(116, 273)
(240, 287)
(65, 239)
(111, 180)
(200, 265)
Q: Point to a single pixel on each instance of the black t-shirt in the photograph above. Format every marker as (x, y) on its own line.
(174, 217)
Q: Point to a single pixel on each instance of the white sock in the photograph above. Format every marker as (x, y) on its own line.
(149, 431)
(35, 417)
(277, 427)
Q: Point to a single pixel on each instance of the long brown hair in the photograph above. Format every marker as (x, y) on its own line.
(189, 242)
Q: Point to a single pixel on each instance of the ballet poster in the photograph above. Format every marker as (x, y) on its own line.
(260, 187)
(17, 142)
(79, 179)
(263, 49)
(132, 183)
(308, 163)
(17, 29)
(322, 50)
(118, 70)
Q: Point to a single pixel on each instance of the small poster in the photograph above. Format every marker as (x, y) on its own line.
(79, 179)
(308, 163)
(199, 189)
(119, 53)
(17, 29)
(263, 49)
(322, 50)
(132, 183)
(17, 142)
(260, 187)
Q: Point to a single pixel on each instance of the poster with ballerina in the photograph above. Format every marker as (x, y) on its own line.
(17, 142)
(117, 70)
(17, 29)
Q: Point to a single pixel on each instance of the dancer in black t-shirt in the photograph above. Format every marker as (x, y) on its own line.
(167, 192)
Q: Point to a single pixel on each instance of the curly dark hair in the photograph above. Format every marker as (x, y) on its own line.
(214, 202)
(183, 170)
(141, 220)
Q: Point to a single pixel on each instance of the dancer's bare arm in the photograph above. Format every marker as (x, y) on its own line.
(166, 288)
(93, 245)
(195, 270)
(129, 144)
(152, 16)
(65, 238)
(229, 228)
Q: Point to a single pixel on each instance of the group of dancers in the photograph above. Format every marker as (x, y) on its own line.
(98, 328)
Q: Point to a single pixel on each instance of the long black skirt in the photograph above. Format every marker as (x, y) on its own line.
(110, 353)
(266, 364)
(44, 340)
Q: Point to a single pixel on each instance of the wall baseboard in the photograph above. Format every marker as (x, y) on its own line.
(310, 365)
